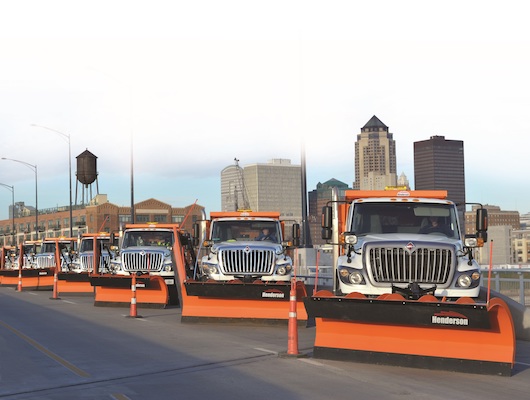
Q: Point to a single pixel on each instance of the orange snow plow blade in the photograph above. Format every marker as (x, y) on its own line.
(25, 278)
(427, 333)
(235, 301)
(113, 290)
(31, 278)
(238, 301)
(74, 283)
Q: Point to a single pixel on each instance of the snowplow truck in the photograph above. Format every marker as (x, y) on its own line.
(244, 271)
(144, 250)
(407, 289)
(10, 261)
(74, 278)
(85, 260)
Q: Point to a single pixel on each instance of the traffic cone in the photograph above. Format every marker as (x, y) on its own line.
(133, 312)
(292, 345)
(55, 289)
(20, 265)
(19, 287)
(55, 295)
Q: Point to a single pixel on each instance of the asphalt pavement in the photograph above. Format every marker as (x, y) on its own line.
(67, 348)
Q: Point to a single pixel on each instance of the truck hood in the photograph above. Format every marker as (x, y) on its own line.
(258, 245)
(413, 237)
(145, 249)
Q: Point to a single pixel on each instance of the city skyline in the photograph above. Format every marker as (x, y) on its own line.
(190, 91)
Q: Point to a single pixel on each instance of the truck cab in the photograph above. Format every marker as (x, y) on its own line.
(405, 241)
(245, 246)
(145, 249)
(67, 251)
(85, 259)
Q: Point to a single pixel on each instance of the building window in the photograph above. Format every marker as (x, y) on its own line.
(124, 218)
(177, 219)
(142, 218)
(160, 218)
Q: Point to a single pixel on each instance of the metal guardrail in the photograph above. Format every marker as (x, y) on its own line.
(516, 287)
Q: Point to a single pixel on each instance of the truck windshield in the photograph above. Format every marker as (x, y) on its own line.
(88, 244)
(63, 246)
(423, 218)
(48, 248)
(30, 248)
(243, 230)
(148, 238)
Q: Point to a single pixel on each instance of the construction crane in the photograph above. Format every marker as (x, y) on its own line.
(242, 188)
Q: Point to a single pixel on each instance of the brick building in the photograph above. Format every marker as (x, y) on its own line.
(99, 215)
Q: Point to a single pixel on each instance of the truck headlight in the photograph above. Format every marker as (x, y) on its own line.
(349, 275)
(356, 278)
(283, 270)
(209, 269)
(469, 279)
(464, 281)
(115, 265)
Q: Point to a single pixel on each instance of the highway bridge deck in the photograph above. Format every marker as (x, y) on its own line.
(68, 349)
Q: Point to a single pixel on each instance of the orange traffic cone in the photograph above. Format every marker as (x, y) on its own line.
(133, 312)
(292, 346)
(292, 335)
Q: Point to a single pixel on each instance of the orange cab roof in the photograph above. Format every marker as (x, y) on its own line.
(362, 194)
(244, 214)
(151, 225)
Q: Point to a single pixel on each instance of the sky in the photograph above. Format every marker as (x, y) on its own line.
(169, 93)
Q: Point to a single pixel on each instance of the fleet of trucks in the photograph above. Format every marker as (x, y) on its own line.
(406, 286)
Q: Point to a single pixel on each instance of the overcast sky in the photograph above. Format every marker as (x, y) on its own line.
(194, 84)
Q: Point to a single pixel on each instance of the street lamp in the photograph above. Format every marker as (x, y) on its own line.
(12, 188)
(67, 137)
(34, 168)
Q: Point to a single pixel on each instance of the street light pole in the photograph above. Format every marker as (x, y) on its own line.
(34, 168)
(12, 188)
(67, 137)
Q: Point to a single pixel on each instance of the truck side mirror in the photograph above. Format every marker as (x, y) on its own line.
(482, 224)
(296, 235)
(326, 222)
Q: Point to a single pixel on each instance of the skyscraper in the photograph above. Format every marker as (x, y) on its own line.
(375, 157)
(439, 165)
(234, 195)
(319, 198)
(272, 186)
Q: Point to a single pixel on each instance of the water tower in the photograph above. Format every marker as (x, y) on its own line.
(87, 174)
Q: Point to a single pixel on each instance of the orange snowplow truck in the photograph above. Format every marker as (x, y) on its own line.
(245, 271)
(407, 289)
(146, 251)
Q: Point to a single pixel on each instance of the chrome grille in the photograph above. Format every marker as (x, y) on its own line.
(422, 265)
(247, 261)
(143, 261)
(86, 261)
(45, 261)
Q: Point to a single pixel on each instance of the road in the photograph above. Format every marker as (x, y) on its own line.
(67, 348)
